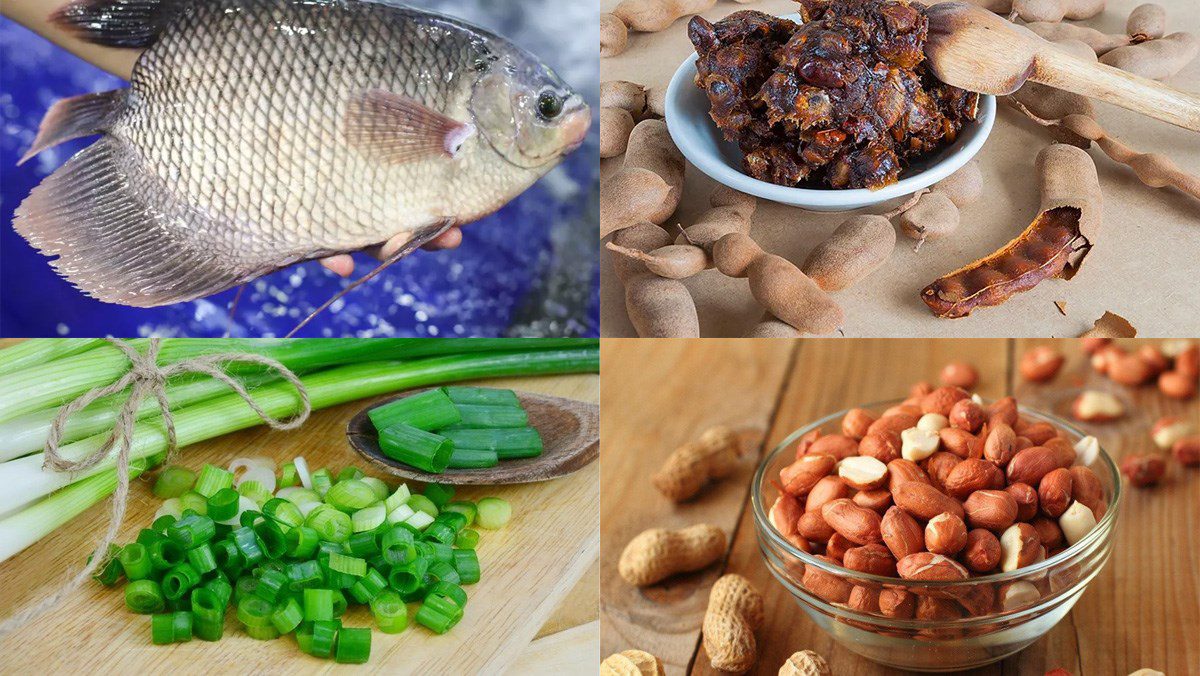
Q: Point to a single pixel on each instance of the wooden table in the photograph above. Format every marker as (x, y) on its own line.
(534, 610)
(1142, 610)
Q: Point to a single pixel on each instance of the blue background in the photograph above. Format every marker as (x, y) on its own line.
(530, 269)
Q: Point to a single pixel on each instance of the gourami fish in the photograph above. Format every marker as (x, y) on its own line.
(259, 133)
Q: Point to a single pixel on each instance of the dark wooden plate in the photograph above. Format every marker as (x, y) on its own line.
(570, 432)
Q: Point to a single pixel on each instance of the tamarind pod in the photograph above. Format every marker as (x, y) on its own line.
(614, 35)
(1110, 325)
(963, 186)
(1153, 169)
(854, 250)
(1147, 21)
(786, 292)
(651, 16)
(733, 253)
(1057, 10)
(770, 327)
(651, 147)
(615, 125)
(1049, 103)
(1053, 245)
(1096, 41)
(674, 261)
(657, 307)
(1156, 59)
(934, 215)
(628, 196)
(656, 101)
(731, 212)
(623, 94)
(997, 6)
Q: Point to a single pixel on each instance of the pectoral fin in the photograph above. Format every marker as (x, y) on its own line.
(397, 129)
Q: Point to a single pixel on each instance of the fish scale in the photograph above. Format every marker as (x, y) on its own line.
(258, 133)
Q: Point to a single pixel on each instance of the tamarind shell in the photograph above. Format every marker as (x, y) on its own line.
(734, 253)
(963, 186)
(770, 327)
(1156, 59)
(854, 250)
(786, 292)
(651, 148)
(628, 196)
(614, 35)
(934, 215)
(629, 96)
(615, 125)
(661, 308)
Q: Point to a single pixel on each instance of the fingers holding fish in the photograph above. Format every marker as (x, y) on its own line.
(342, 265)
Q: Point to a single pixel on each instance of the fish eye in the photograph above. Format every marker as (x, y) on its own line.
(550, 105)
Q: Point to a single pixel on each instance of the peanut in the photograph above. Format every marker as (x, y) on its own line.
(1076, 522)
(656, 554)
(805, 663)
(631, 663)
(1040, 364)
(735, 612)
(714, 455)
(1143, 470)
(1187, 451)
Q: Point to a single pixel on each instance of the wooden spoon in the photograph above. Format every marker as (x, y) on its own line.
(974, 49)
(570, 432)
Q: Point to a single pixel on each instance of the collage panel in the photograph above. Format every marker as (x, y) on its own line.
(898, 506)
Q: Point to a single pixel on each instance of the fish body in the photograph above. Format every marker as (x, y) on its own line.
(259, 133)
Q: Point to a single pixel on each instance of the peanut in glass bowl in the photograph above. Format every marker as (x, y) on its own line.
(976, 628)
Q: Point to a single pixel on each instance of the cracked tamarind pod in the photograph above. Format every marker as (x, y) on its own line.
(1054, 244)
(1147, 21)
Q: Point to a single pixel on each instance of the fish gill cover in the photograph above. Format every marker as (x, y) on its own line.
(530, 269)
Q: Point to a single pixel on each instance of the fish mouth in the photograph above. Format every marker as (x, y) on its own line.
(575, 128)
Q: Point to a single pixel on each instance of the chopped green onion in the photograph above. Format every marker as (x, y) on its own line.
(272, 585)
(493, 513)
(271, 539)
(476, 416)
(213, 479)
(440, 531)
(287, 616)
(419, 520)
(304, 574)
(332, 525)
(192, 530)
(426, 451)
(302, 542)
(299, 496)
(348, 565)
(339, 603)
(248, 546)
(220, 588)
(407, 577)
(144, 597)
(438, 613)
(264, 633)
(439, 494)
(111, 571)
(455, 520)
(397, 499)
(482, 396)
(227, 556)
(509, 443)
(254, 611)
(472, 458)
(350, 495)
(288, 476)
(398, 546)
(466, 563)
(193, 501)
(208, 614)
(318, 604)
(369, 518)
(369, 586)
(321, 481)
(429, 410)
(202, 559)
(223, 505)
(377, 485)
(179, 581)
(286, 514)
(166, 554)
(391, 615)
(135, 561)
(435, 551)
(451, 591)
(255, 491)
(363, 544)
(442, 570)
(400, 514)
(171, 628)
(162, 523)
(246, 585)
(467, 509)
(173, 482)
(324, 633)
(467, 539)
(350, 472)
(353, 645)
(421, 503)
(249, 518)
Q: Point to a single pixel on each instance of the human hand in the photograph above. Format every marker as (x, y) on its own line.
(343, 264)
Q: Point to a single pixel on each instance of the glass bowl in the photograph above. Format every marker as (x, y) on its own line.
(975, 627)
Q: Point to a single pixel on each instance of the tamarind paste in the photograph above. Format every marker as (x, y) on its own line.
(843, 100)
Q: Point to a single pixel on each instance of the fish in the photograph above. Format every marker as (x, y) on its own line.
(256, 134)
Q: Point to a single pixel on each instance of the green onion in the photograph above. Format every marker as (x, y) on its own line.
(466, 564)
(286, 514)
(166, 554)
(331, 524)
(38, 351)
(391, 615)
(347, 565)
(482, 396)
(193, 501)
(219, 587)
(287, 616)
(451, 591)
(318, 604)
(353, 645)
(192, 530)
(419, 520)
(369, 586)
(508, 443)
(426, 451)
(398, 498)
(213, 479)
(202, 559)
(179, 581)
(467, 509)
(208, 614)
(144, 597)
(441, 570)
(483, 417)
(171, 628)
(363, 544)
(304, 574)
(110, 573)
(435, 551)
(321, 481)
(272, 585)
(288, 476)
(430, 410)
(369, 518)
(440, 531)
(350, 495)
(271, 539)
(324, 633)
(421, 503)
(379, 487)
(407, 577)
(339, 603)
(466, 539)
(246, 585)
(472, 458)
(162, 523)
(439, 494)
(254, 611)
(173, 482)
(223, 504)
(493, 513)
(264, 633)
(400, 514)
(398, 545)
(302, 542)
(438, 613)
(135, 561)
(248, 545)
(255, 491)
(350, 472)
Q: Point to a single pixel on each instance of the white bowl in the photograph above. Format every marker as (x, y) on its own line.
(703, 145)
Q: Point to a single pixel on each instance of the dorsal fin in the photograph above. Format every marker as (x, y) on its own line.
(118, 23)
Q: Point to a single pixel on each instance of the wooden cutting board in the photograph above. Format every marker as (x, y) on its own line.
(529, 569)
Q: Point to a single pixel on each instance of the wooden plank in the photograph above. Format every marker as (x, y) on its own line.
(830, 375)
(1143, 609)
(656, 395)
(569, 652)
(530, 567)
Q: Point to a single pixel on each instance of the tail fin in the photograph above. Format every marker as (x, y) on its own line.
(76, 117)
(118, 23)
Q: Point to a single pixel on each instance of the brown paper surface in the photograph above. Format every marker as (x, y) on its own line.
(1145, 266)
